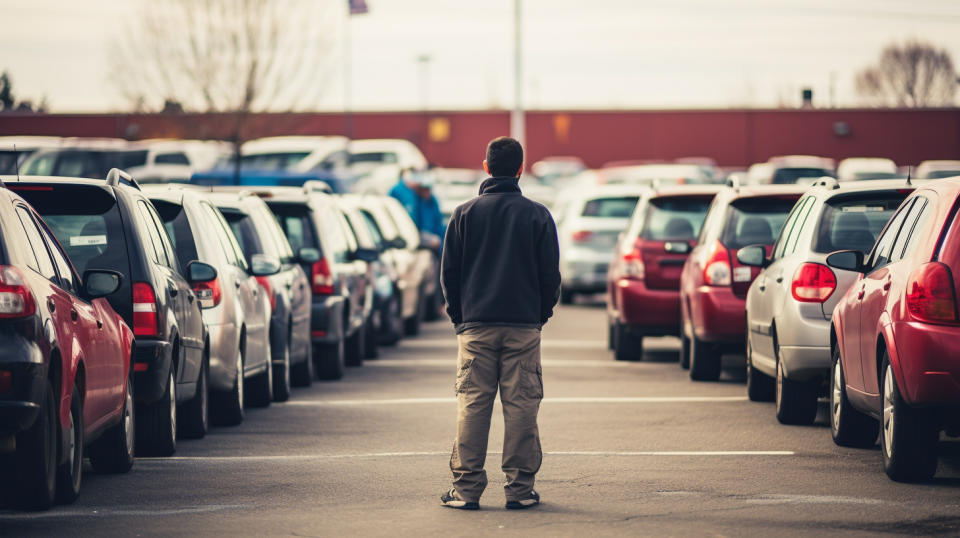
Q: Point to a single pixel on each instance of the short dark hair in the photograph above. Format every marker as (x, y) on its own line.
(504, 156)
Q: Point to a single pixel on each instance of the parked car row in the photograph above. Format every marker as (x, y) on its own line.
(134, 317)
(844, 290)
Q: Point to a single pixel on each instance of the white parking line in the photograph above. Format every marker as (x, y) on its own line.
(545, 343)
(114, 512)
(601, 399)
(451, 363)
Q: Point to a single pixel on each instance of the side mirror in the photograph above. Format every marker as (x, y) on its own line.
(753, 255)
(198, 272)
(848, 260)
(366, 254)
(98, 284)
(308, 255)
(677, 247)
(263, 265)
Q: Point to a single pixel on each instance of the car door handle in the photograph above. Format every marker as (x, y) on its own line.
(190, 297)
(289, 285)
(73, 314)
(863, 292)
(886, 285)
(779, 279)
(99, 324)
(172, 291)
(236, 284)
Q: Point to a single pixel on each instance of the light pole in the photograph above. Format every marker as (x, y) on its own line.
(517, 120)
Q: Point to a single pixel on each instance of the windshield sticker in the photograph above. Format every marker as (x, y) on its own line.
(87, 240)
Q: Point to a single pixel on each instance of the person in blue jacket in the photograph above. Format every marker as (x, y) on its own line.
(414, 191)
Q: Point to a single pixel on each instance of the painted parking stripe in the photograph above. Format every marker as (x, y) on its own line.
(120, 512)
(613, 399)
(545, 343)
(451, 363)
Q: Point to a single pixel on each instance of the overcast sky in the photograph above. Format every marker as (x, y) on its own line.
(578, 54)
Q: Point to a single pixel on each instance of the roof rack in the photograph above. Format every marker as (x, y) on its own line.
(115, 176)
(315, 185)
(827, 182)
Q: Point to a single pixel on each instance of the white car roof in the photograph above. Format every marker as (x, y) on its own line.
(276, 144)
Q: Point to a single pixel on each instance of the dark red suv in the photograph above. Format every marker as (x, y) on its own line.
(65, 370)
(896, 333)
(713, 285)
(643, 283)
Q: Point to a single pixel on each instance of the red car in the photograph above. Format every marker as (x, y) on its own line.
(65, 367)
(643, 283)
(713, 285)
(895, 336)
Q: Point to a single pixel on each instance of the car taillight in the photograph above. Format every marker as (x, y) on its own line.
(813, 283)
(716, 270)
(16, 301)
(321, 277)
(633, 264)
(930, 295)
(581, 236)
(6, 381)
(265, 284)
(208, 293)
(144, 310)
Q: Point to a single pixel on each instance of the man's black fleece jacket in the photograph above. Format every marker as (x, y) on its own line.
(500, 263)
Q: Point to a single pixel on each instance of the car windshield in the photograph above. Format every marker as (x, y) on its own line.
(675, 218)
(853, 223)
(939, 174)
(384, 157)
(789, 176)
(756, 221)
(620, 207)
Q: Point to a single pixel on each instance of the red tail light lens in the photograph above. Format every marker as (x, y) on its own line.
(716, 270)
(208, 293)
(813, 283)
(930, 295)
(581, 236)
(6, 381)
(144, 310)
(265, 284)
(16, 301)
(322, 278)
(633, 264)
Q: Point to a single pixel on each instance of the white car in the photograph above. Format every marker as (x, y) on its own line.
(298, 154)
(937, 169)
(165, 161)
(376, 164)
(655, 174)
(15, 149)
(859, 168)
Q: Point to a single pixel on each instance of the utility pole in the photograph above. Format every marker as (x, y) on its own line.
(517, 119)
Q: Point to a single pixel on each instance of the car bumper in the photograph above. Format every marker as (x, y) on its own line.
(805, 363)
(151, 369)
(326, 319)
(20, 405)
(646, 310)
(223, 359)
(585, 276)
(930, 371)
(718, 315)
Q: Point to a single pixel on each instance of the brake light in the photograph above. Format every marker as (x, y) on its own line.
(16, 301)
(581, 236)
(633, 264)
(321, 277)
(813, 283)
(208, 293)
(6, 381)
(716, 270)
(265, 284)
(930, 295)
(144, 310)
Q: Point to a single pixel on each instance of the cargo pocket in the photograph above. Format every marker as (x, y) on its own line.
(532, 382)
(463, 376)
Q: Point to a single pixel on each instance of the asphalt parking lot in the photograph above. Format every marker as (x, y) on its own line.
(630, 448)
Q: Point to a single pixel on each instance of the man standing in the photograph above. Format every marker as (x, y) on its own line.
(501, 279)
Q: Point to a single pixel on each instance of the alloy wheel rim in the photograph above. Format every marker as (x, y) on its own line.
(204, 404)
(71, 453)
(888, 424)
(240, 380)
(779, 384)
(128, 420)
(173, 406)
(836, 395)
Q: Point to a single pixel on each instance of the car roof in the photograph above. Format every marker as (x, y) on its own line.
(750, 191)
(686, 190)
(275, 144)
(13, 180)
(949, 187)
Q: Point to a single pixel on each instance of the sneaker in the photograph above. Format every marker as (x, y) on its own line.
(450, 499)
(532, 500)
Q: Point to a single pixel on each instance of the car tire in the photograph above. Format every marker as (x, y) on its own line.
(70, 472)
(566, 297)
(627, 346)
(330, 360)
(684, 351)
(157, 423)
(259, 388)
(411, 325)
(393, 326)
(34, 465)
(796, 401)
(356, 346)
(370, 335)
(760, 386)
(113, 452)
(195, 414)
(301, 374)
(848, 426)
(228, 406)
(908, 436)
(705, 360)
(281, 376)
(611, 336)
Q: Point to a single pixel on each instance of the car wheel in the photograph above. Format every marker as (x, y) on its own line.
(260, 387)
(848, 427)
(611, 336)
(301, 374)
(370, 334)
(228, 406)
(70, 472)
(331, 361)
(759, 385)
(684, 350)
(35, 461)
(355, 346)
(908, 437)
(704, 360)
(566, 297)
(113, 452)
(391, 322)
(157, 423)
(411, 325)
(434, 305)
(796, 401)
(195, 416)
(627, 346)
(281, 376)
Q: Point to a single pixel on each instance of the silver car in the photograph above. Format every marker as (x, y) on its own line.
(588, 225)
(790, 303)
(235, 308)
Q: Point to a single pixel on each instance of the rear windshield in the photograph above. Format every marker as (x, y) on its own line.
(89, 164)
(246, 233)
(853, 223)
(786, 176)
(674, 218)
(939, 174)
(178, 228)
(756, 221)
(610, 208)
(295, 222)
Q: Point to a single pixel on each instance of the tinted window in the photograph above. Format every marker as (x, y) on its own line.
(881, 251)
(618, 208)
(274, 241)
(674, 218)
(798, 226)
(755, 221)
(385, 157)
(242, 227)
(788, 225)
(373, 228)
(334, 242)
(177, 226)
(403, 222)
(273, 161)
(67, 278)
(913, 227)
(347, 231)
(164, 238)
(853, 223)
(298, 230)
(171, 158)
(785, 176)
(231, 248)
(41, 165)
(44, 265)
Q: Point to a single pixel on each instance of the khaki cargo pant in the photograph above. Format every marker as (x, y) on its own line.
(489, 358)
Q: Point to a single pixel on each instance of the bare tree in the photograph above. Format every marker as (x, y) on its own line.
(914, 74)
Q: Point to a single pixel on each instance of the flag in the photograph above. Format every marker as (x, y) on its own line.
(358, 7)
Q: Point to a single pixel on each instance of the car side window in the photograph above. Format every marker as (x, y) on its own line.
(711, 221)
(67, 278)
(44, 265)
(788, 226)
(219, 230)
(158, 253)
(800, 225)
(881, 251)
(334, 241)
(168, 251)
(347, 233)
(912, 229)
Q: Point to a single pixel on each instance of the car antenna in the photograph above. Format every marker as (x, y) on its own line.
(909, 174)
